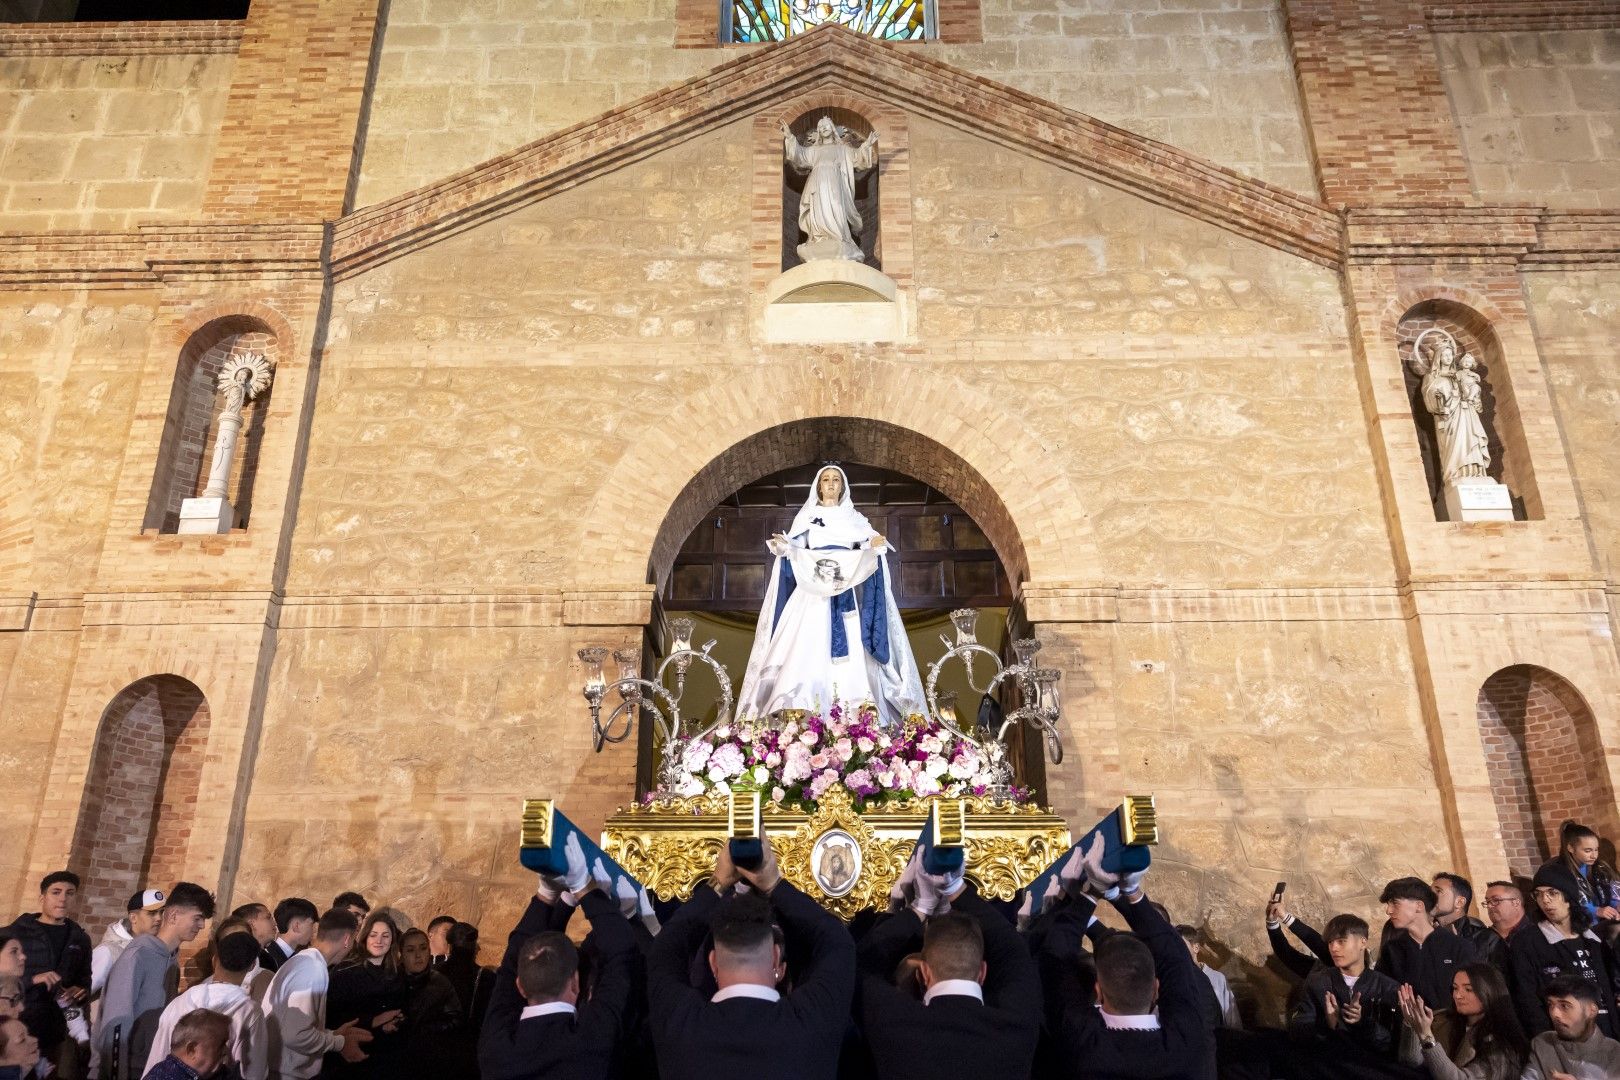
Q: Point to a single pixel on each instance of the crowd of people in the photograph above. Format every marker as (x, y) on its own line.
(751, 977)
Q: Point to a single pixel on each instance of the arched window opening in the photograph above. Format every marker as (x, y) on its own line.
(1543, 760)
(191, 425)
(140, 795)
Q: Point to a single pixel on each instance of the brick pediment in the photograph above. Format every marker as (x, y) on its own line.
(832, 58)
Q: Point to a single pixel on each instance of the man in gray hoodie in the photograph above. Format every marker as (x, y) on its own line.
(143, 916)
(1574, 1047)
(144, 979)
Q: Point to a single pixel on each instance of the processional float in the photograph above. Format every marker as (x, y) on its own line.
(845, 848)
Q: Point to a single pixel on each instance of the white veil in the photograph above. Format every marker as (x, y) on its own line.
(842, 524)
(897, 684)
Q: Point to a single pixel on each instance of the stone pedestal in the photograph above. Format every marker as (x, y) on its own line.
(834, 300)
(206, 515)
(1480, 499)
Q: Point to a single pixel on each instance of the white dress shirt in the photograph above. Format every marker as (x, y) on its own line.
(248, 1046)
(954, 988)
(1223, 994)
(1149, 1022)
(747, 990)
(550, 1008)
(295, 1017)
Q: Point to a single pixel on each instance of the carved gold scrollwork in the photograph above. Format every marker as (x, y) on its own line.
(881, 860)
(670, 845)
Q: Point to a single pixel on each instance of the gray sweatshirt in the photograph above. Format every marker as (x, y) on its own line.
(1598, 1058)
(142, 981)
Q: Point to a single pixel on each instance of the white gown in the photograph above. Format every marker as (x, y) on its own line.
(792, 665)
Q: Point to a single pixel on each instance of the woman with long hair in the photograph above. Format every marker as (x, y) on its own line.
(1579, 851)
(1560, 943)
(369, 987)
(1478, 1038)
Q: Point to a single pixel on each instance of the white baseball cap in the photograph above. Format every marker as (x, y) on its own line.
(150, 900)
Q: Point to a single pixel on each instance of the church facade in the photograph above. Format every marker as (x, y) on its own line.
(1156, 278)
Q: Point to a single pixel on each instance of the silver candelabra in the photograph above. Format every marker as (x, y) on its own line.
(1037, 688)
(636, 693)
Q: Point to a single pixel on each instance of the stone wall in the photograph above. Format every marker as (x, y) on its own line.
(106, 142)
(462, 82)
(66, 402)
(1577, 320)
(1278, 751)
(1539, 114)
(1185, 397)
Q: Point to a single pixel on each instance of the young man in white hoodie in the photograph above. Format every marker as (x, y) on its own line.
(142, 916)
(248, 1048)
(295, 1005)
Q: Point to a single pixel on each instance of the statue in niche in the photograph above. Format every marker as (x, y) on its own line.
(1452, 393)
(242, 377)
(827, 213)
(829, 631)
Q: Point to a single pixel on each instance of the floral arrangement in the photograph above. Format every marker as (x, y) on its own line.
(800, 760)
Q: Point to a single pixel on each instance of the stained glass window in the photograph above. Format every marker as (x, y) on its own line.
(776, 20)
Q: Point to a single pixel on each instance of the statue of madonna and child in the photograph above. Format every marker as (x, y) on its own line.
(829, 631)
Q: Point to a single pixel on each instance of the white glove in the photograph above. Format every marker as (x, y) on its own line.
(577, 876)
(926, 899)
(649, 918)
(604, 880)
(1099, 881)
(1130, 884)
(551, 889)
(900, 895)
(629, 899)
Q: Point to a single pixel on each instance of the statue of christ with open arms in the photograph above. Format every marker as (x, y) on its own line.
(829, 632)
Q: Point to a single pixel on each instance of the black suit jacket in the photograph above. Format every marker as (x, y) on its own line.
(1182, 1049)
(271, 957)
(797, 1038)
(568, 1047)
(953, 1036)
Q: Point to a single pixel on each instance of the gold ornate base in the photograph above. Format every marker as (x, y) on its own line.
(844, 858)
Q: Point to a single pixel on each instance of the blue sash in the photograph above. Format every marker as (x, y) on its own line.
(873, 602)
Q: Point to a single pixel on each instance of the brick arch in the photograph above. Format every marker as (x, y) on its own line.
(1543, 759)
(189, 429)
(940, 432)
(140, 795)
(1471, 324)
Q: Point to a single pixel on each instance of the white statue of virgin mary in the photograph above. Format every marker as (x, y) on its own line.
(829, 632)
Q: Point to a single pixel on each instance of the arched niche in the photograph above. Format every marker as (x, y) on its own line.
(190, 425)
(847, 439)
(1543, 759)
(140, 796)
(1510, 464)
(966, 536)
(866, 188)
